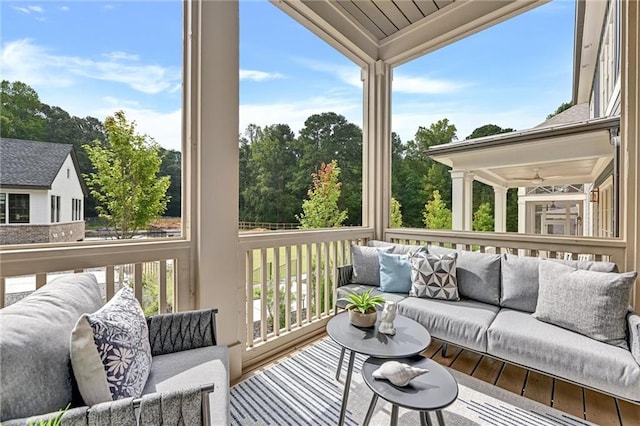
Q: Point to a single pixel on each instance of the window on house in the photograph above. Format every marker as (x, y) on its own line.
(68, 173)
(3, 208)
(18, 208)
(55, 208)
(76, 209)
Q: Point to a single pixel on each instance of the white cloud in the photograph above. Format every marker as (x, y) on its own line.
(294, 113)
(164, 127)
(22, 60)
(64, 8)
(255, 75)
(424, 85)
(407, 118)
(29, 9)
(350, 75)
(115, 56)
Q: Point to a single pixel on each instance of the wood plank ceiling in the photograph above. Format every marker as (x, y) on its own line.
(383, 18)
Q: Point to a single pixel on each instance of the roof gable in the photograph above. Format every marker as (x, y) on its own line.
(31, 164)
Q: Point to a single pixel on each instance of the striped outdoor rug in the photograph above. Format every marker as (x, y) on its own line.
(302, 390)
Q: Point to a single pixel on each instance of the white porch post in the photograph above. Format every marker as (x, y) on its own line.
(522, 211)
(376, 146)
(461, 200)
(211, 117)
(630, 138)
(500, 209)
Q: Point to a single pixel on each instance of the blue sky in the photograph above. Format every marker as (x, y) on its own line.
(92, 58)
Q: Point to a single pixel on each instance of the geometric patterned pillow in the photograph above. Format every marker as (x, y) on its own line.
(434, 276)
(110, 351)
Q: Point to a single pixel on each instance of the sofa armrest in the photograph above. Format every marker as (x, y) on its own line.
(181, 331)
(345, 275)
(633, 322)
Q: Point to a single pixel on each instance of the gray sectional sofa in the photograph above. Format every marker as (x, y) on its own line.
(188, 381)
(495, 316)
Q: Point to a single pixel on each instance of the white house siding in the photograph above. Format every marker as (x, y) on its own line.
(38, 206)
(67, 189)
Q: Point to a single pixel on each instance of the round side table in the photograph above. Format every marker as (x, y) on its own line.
(431, 391)
(410, 339)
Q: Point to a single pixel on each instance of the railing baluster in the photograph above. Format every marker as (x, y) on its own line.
(287, 283)
(311, 277)
(277, 302)
(264, 291)
(41, 280)
(2, 293)
(318, 286)
(110, 285)
(299, 300)
(137, 282)
(328, 275)
(249, 296)
(162, 287)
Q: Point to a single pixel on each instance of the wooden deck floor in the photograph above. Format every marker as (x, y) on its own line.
(578, 401)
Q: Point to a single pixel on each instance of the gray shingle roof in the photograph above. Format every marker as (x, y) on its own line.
(31, 164)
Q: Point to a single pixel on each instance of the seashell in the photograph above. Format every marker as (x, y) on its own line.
(398, 373)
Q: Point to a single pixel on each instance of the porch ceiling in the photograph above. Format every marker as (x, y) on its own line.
(397, 31)
(564, 154)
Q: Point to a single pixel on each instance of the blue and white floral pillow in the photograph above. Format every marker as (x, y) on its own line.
(110, 351)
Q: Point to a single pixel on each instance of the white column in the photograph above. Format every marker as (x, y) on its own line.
(461, 200)
(630, 139)
(211, 116)
(376, 147)
(522, 211)
(500, 209)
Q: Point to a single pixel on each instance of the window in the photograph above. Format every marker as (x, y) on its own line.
(18, 208)
(76, 209)
(3, 208)
(55, 208)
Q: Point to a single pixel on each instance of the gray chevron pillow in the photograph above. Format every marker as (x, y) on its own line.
(434, 276)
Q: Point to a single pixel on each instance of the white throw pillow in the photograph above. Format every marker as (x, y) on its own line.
(110, 351)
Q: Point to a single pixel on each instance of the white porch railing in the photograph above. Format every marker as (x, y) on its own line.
(522, 244)
(289, 280)
(158, 271)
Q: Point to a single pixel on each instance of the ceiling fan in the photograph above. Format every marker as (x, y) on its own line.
(536, 179)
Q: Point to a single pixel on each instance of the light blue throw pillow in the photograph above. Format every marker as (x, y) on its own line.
(395, 272)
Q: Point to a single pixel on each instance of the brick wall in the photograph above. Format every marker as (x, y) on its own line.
(30, 234)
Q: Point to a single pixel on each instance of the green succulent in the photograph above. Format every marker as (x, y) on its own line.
(364, 302)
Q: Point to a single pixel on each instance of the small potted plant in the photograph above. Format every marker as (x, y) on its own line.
(362, 308)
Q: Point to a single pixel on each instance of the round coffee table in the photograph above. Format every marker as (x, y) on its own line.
(410, 339)
(431, 391)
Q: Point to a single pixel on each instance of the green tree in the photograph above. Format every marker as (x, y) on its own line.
(20, 112)
(483, 218)
(321, 210)
(268, 195)
(171, 166)
(563, 107)
(396, 214)
(488, 130)
(326, 137)
(126, 186)
(417, 176)
(436, 215)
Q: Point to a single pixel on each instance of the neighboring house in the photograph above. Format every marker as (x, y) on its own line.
(41, 193)
(568, 163)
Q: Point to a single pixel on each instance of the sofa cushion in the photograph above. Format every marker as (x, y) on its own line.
(633, 322)
(478, 274)
(366, 267)
(34, 345)
(434, 276)
(520, 279)
(462, 323)
(395, 272)
(518, 337)
(185, 369)
(110, 351)
(591, 303)
(397, 248)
